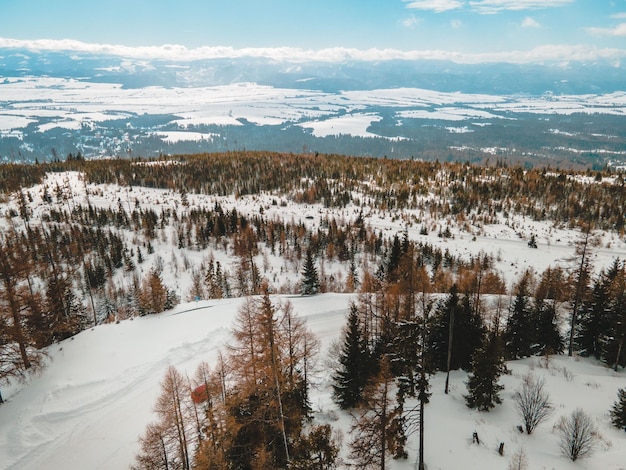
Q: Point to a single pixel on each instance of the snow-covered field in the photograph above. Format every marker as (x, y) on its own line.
(87, 409)
(72, 102)
(352, 124)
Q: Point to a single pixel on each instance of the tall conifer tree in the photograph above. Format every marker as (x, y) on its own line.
(520, 332)
(594, 318)
(352, 376)
(487, 367)
(310, 279)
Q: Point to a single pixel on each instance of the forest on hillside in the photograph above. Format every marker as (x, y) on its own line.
(70, 260)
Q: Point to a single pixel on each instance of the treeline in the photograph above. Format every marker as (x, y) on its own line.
(386, 184)
(477, 192)
(389, 184)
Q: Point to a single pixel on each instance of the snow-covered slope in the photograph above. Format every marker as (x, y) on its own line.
(88, 407)
(90, 404)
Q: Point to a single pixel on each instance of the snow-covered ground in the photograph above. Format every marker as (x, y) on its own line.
(177, 136)
(88, 407)
(351, 124)
(90, 404)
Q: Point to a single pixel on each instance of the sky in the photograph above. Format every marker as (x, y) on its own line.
(474, 29)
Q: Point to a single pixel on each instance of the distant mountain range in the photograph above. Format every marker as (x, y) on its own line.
(491, 78)
(55, 103)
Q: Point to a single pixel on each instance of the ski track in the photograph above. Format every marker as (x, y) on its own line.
(58, 421)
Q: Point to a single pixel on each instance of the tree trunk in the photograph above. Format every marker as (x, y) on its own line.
(450, 335)
(17, 327)
(577, 292)
(420, 462)
(164, 450)
(383, 427)
(8, 277)
(222, 374)
(180, 424)
(278, 393)
(619, 352)
(425, 309)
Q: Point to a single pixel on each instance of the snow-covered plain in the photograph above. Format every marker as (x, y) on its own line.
(28, 99)
(352, 124)
(177, 136)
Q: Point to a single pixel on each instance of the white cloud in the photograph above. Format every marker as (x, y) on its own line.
(456, 24)
(485, 6)
(177, 53)
(410, 22)
(619, 16)
(496, 6)
(437, 6)
(530, 23)
(561, 54)
(619, 30)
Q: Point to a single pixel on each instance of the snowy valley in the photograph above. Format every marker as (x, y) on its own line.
(55, 103)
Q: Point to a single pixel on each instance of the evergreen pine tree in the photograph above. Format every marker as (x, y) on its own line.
(580, 285)
(548, 294)
(520, 333)
(310, 279)
(66, 314)
(393, 259)
(213, 280)
(594, 319)
(487, 367)
(549, 339)
(618, 412)
(468, 330)
(352, 282)
(614, 352)
(351, 378)
(440, 329)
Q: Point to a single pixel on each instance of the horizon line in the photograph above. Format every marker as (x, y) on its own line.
(542, 55)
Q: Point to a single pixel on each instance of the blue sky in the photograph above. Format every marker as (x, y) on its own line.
(438, 28)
